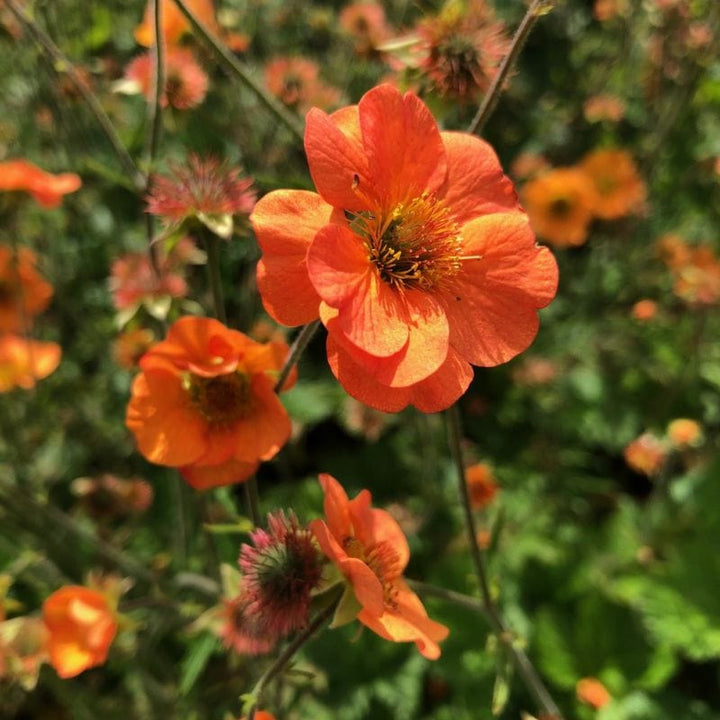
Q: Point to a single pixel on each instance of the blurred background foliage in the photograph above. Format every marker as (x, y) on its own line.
(602, 570)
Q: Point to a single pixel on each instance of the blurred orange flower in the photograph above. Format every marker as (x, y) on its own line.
(81, 627)
(592, 692)
(205, 403)
(366, 23)
(618, 189)
(697, 280)
(644, 310)
(603, 107)
(261, 715)
(23, 361)
(369, 548)
(673, 250)
(24, 293)
(23, 649)
(47, 189)
(684, 432)
(130, 346)
(560, 205)
(296, 82)
(481, 485)
(173, 23)
(414, 254)
(646, 454)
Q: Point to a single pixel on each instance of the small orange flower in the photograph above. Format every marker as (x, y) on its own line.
(592, 692)
(23, 291)
(205, 403)
(684, 432)
(644, 310)
(646, 454)
(366, 23)
(173, 22)
(296, 82)
(261, 715)
(414, 254)
(673, 251)
(47, 189)
(559, 204)
(81, 627)
(130, 346)
(604, 107)
(481, 485)
(697, 280)
(186, 83)
(617, 187)
(23, 361)
(369, 548)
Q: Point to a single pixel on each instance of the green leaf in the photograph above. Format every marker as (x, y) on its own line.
(221, 225)
(195, 661)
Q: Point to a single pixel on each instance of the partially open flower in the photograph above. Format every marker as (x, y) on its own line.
(23, 362)
(24, 293)
(370, 550)
(47, 189)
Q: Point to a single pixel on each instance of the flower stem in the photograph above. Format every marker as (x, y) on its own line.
(213, 251)
(537, 9)
(252, 500)
(279, 665)
(60, 60)
(233, 67)
(525, 668)
(296, 350)
(465, 601)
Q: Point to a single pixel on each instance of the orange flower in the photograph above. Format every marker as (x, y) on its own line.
(414, 254)
(366, 23)
(173, 24)
(261, 715)
(23, 649)
(23, 361)
(296, 82)
(644, 310)
(617, 187)
(684, 432)
(370, 549)
(23, 291)
(697, 280)
(81, 627)
(604, 107)
(592, 692)
(481, 485)
(646, 454)
(205, 402)
(673, 251)
(559, 204)
(130, 346)
(46, 188)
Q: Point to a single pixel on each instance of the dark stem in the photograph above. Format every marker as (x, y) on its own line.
(252, 500)
(534, 12)
(296, 350)
(233, 67)
(213, 250)
(524, 667)
(60, 60)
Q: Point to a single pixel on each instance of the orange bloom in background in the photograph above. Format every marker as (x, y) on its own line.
(673, 250)
(186, 83)
(617, 187)
(369, 548)
(261, 715)
(366, 23)
(47, 189)
(604, 107)
(684, 432)
(131, 345)
(23, 362)
(592, 692)
(173, 22)
(646, 454)
(560, 206)
(527, 165)
(414, 254)
(23, 650)
(81, 627)
(481, 485)
(205, 403)
(535, 371)
(296, 82)
(697, 280)
(644, 310)
(24, 293)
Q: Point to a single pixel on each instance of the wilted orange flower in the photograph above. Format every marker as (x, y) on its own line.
(644, 310)
(481, 485)
(603, 107)
(108, 497)
(559, 204)
(173, 23)
(186, 83)
(415, 254)
(366, 23)
(296, 82)
(81, 627)
(684, 432)
(618, 189)
(47, 189)
(130, 346)
(23, 361)
(369, 548)
(205, 403)
(646, 454)
(23, 291)
(592, 692)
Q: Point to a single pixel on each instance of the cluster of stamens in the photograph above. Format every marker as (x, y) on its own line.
(221, 400)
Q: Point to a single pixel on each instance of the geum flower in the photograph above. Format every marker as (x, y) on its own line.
(47, 189)
(23, 362)
(370, 550)
(24, 293)
(205, 403)
(414, 253)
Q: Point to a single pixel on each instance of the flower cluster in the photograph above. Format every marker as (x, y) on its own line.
(563, 201)
(414, 253)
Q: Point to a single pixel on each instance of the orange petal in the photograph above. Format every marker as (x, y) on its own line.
(368, 589)
(336, 507)
(475, 184)
(405, 152)
(203, 477)
(285, 223)
(444, 387)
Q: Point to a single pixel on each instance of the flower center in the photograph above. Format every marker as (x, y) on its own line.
(223, 399)
(417, 247)
(382, 559)
(561, 207)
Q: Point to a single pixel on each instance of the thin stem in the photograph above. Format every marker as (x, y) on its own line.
(233, 67)
(465, 601)
(279, 665)
(537, 9)
(525, 668)
(213, 262)
(60, 60)
(296, 350)
(252, 500)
